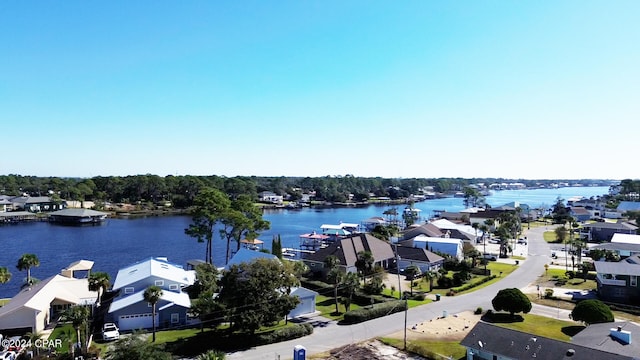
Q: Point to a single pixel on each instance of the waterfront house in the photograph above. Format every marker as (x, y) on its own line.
(271, 197)
(625, 206)
(618, 281)
(459, 231)
(346, 250)
(427, 229)
(36, 204)
(35, 307)
(489, 342)
(604, 231)
(623, 249)
(129, 309)
(245, 255)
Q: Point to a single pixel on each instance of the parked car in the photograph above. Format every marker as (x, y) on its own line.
(489, 256)
(110, 332)
(522, 241)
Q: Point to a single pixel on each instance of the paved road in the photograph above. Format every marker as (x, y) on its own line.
(328, 335)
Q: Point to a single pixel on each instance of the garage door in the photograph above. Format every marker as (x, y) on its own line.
(306, 306)
(136, 321)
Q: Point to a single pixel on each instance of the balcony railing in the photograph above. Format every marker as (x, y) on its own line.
(613, 282)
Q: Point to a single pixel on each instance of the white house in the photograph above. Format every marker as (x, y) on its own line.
(307, 303)
(449, 246)
(36, 306)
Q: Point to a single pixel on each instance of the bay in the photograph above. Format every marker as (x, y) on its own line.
(121, 242)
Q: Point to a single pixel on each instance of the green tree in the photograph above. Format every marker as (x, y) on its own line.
(78, 315)
(276, 246)
(364, 264)
(561, 234)
(100, 282)
(5, 275)
(334, 276)
(209, 207)
(511, 300)
(253, 224)
(136, 347)
(152, 295)
(26, 262)
(592, 312)
(411, 272)
(256, 293)
(350, 284)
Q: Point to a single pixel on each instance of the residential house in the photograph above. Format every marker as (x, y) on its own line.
(624, 250)
(371, 223)
(459, 231)
(245, 255)
(579, 213)
(491, 342)
(604, 231)
(346, 250)
(424, 259)
(618, 281)
(129, 309)
(625, 206)
(36, 204)
(449, 246)
(35, 307)
(271, 197)
(612, 337)
(427, 229)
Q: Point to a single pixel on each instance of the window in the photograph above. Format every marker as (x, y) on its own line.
(159, 283)
(174, 287)
(634, 280)
(175, 318)
(129, 290)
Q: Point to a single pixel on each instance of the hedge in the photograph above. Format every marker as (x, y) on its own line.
(376, 311)
(287, 333)
(472, 285)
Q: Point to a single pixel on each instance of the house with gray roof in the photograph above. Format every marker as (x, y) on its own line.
(618, 281)
(489, 342)
(625, 206)
(424, 259)
(612, 337)
(604, 231)
(36, 204)
(346, 250)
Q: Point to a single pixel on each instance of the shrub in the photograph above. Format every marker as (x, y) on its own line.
(478, 310)
(287, 333)
(451, 292)
(376, 311)
(548, 293)
(592, 312)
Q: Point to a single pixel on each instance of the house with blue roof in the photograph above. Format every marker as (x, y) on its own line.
(129, 309)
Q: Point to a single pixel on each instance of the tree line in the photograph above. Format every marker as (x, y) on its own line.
(181, 190)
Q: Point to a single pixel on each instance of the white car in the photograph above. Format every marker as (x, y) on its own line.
(110, 332)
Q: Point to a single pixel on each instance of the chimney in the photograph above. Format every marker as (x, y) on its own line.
(621, 335)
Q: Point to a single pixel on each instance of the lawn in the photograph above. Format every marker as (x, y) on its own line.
(558, 278)
(327, 307)
(542, 326)
(3, 302)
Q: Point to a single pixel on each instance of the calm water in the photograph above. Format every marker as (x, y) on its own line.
(121, 242)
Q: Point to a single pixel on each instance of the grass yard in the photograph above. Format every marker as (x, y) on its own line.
(327, 307)
(3, 302)
(557, 278)
(542, 326)
(429, 348)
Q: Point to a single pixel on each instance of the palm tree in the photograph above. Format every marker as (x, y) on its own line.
(411, 272)
(350, 283)
(334, 276)
(100, 282)
(430, 276)
(364, 264)
(34, 338)
(26, 262)
(78, 315)
(152, 295)
(5, 275)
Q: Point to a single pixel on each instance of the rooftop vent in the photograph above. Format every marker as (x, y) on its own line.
(621, 335)
(571, 352)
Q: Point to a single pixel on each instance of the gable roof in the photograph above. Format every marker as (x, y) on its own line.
(171, 297)
(625, 206)
(39, 296)
(158, 267)
(429, 230)
(418, 254)
(579, 210)
(598, 336)
(628, 266)
(347, 249)
(519, 345)
(625, 238)
(608, 225)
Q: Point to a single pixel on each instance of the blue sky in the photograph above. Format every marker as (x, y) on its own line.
(520, 89)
